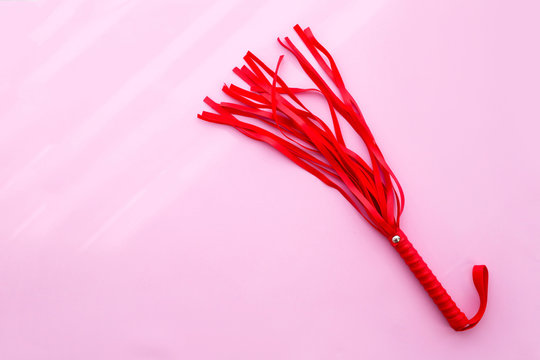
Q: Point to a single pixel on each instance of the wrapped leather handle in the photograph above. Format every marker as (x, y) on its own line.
(455, 317)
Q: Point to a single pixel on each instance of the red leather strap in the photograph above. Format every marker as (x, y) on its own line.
(480, 279)
(455, 317)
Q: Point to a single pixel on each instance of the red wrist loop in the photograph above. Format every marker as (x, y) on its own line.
(480, 279)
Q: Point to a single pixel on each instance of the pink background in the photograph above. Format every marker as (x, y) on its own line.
(131, 230)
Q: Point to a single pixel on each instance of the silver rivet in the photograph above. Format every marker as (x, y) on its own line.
(396, 239)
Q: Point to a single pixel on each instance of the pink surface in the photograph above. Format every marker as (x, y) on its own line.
(131, 230)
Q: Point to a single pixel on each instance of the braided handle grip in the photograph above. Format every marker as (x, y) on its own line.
(455, 317)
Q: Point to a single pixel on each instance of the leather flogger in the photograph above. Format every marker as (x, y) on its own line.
(270, 111)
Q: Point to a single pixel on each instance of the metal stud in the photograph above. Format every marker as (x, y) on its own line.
(396, 239)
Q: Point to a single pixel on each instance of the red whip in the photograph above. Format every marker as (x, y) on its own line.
(291, 128)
